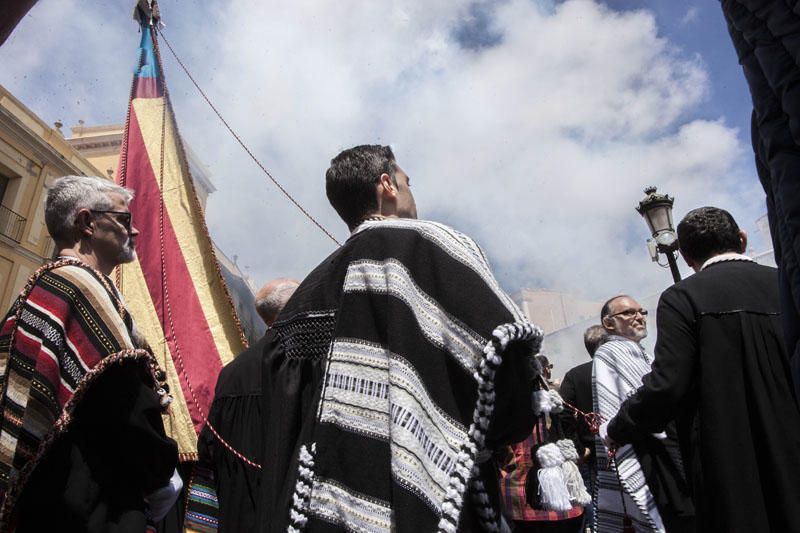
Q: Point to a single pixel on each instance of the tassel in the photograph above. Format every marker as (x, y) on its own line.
(578, 494)
(546, 402)
(556, 402)
(552, 488)
(541, 402)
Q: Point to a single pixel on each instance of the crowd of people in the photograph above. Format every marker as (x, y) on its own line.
(398, 388)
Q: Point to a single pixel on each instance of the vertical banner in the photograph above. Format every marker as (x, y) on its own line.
(174, 290)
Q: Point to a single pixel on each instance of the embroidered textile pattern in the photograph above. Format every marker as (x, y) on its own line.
(619, 365)
(65, 328)
(408, 383)
(458, 246)
(345, 507)
(307, 335)
(437, 325)
(372, 391)
(202, 505)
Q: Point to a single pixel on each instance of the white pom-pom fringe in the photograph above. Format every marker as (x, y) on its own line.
(481, 417)
(302, 489)
(549, 456)
(556, 401)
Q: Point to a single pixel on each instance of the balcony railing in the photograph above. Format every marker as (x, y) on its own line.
(49, 248)
(11, 224)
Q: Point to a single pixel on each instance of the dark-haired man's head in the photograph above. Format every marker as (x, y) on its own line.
(706, 232)
(547, 366)
(593, 337)
(366, 181)
(623, 316)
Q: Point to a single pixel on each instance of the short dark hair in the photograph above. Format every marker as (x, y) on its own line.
(707, 231)
(593, 337)
(543, 360)
(606, 310)
(350, 181)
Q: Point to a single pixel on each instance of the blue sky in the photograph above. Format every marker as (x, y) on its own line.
(531, 125)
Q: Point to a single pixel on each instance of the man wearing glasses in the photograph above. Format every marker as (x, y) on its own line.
(721, 371)
(84, 447)
(644, 487)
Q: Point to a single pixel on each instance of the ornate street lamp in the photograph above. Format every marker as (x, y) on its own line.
(657, 212)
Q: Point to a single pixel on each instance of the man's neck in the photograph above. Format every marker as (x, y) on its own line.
(621, 337)
(86, 257)
(726, 256)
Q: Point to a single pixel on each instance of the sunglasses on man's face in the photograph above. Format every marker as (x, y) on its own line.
(630, 313)
(124, 218)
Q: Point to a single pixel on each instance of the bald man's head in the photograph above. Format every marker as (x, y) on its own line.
(272, 297)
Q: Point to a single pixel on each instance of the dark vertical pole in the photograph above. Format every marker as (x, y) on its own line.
(673, 266)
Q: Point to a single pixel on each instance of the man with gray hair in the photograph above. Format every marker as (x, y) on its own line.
(235, 415)
(84, 447)
(272, 297)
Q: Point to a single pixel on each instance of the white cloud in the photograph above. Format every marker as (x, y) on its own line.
(691, 17)
(538, 146)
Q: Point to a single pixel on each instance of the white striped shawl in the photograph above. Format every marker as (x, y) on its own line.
(427, 327)
(617, 372)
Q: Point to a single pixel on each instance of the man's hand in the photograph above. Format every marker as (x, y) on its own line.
(160, 501)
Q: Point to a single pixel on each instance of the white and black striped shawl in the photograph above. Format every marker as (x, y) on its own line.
(618, 368)
(416, 382)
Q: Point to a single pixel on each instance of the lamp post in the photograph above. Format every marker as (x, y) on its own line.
(657, 212)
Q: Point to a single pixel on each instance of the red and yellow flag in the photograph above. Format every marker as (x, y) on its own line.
(175, 290)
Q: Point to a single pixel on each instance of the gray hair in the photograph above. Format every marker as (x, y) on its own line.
(593, 337)
(70, 194)
(272, 298)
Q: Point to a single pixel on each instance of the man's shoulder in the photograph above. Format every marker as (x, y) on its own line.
(614, 346)
(72, 278)
(727, 285)
(577, 371)
(727, 271)
(58, 290)
(436, 232)
(244, 372)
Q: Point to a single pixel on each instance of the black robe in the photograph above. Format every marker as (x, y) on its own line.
(236, 416)
(397, 314)
(722, 372)
(576, 388)
(96, 473)
(765, 37)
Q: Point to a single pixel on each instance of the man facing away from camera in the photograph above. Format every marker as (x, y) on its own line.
(395, 369)
(84, 447)
(722, 372)
(236, 418)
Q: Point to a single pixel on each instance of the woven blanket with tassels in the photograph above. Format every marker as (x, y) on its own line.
(426, 366)
(68, 328)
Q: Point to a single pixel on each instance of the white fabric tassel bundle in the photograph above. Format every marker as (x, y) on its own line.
(572, 475)
(546, 402)
(552, 488)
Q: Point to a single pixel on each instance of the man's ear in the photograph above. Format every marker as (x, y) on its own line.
(387, 186)
(742, 241)
(84, 222)
(608, 324)
(689, 261)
